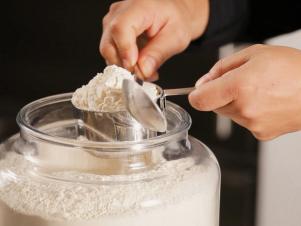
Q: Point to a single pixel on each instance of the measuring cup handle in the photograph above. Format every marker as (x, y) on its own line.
(180, 91)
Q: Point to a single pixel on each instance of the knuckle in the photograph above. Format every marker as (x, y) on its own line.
(123, 45)
(262, 136)
(116, 28)
(114, 6)
(248, 112)
(104, 50)
(105, 20)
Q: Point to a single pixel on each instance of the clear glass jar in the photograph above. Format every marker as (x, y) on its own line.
(52, 175)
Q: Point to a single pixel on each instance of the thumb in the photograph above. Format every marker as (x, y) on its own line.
(214, 94)
(168, 42)
(228, 63)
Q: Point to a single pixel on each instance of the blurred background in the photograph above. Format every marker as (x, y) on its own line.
(51, 47)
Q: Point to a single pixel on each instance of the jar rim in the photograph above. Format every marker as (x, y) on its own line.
(25, 125)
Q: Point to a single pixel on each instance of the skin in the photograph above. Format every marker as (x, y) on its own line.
(258, 87)
(141, 35)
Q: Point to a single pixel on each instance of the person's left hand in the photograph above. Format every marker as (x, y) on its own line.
(258, 87)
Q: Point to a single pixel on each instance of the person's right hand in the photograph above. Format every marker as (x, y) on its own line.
(169, 25)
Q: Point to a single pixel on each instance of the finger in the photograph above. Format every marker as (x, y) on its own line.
(227, 64)
(125, 28)
(114, 7)
(154, 77)
(223, 66)
(168, 42)
(215, 94)
(108, 50)
(205, 78)
(127, 50)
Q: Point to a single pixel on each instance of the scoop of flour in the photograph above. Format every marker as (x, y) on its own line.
(104, 92)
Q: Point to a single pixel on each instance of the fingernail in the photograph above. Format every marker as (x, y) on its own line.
(126, 64)
(148, 66)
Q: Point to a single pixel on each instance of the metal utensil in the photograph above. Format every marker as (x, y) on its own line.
(144, 109)
(112, 126)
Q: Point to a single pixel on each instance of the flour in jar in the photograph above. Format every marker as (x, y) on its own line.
(104, 92)
(176, 196)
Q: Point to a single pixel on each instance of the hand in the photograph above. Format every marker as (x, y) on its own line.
(258, 87)
(168, 25)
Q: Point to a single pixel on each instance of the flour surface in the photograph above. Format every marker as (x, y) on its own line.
(104, 92)
(181, 197)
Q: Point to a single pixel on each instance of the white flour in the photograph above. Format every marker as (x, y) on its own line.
(104, 92)
(186, 197)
